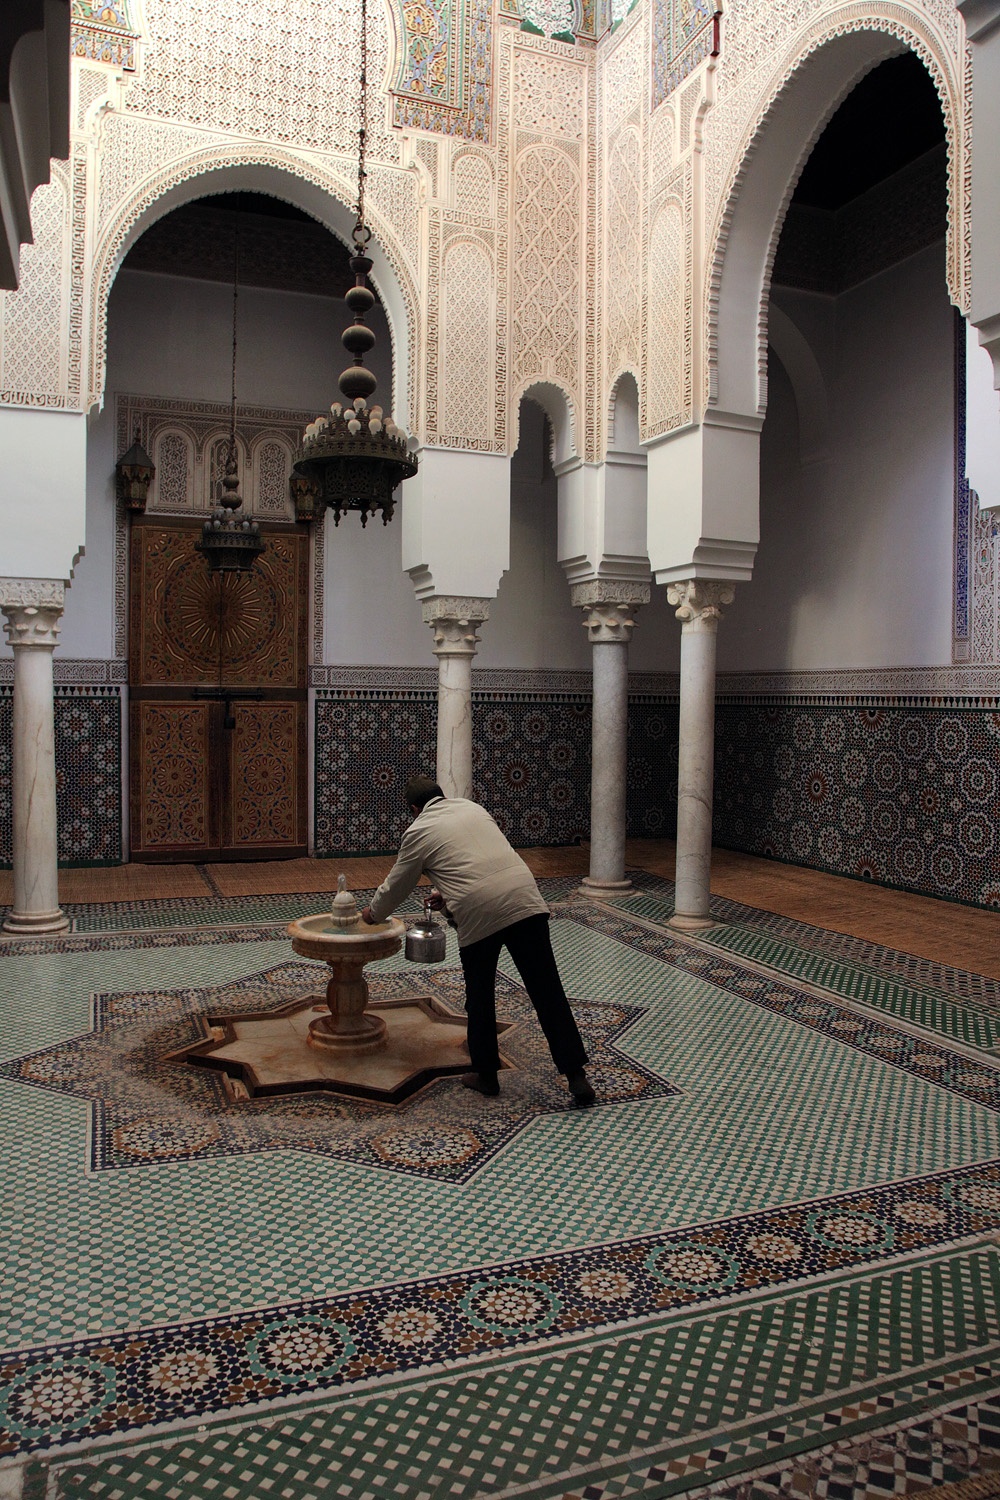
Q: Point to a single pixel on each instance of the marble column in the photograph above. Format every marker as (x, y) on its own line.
(609, 616)
(32, 608)
(698, 605)
(454, 623)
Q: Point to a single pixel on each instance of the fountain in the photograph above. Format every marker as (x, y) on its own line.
(347, 944)
(384, 1050)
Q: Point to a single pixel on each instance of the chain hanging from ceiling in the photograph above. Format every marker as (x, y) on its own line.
(354, 458)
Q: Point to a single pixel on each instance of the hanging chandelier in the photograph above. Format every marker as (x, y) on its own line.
(231, 543)
(354, 458)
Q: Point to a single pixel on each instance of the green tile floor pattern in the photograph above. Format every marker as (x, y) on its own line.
(920, 1004)
(771, 1113)
(607, 1409)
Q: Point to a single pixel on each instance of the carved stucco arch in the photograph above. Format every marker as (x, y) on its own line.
(557, 404)
(805, 90)
(278, 174)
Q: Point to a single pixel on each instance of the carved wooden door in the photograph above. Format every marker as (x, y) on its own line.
(217, 736)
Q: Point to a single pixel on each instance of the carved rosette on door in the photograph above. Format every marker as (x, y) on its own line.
(217, 669)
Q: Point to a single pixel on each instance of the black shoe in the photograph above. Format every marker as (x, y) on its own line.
(482, 1083)
(579, 1086)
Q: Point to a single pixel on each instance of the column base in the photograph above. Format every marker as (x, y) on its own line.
(28, 924)
(597, 888)
(685, 923)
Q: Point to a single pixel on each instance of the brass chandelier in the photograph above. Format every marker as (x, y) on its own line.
(354, 458)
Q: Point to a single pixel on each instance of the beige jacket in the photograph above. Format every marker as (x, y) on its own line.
(456, 843)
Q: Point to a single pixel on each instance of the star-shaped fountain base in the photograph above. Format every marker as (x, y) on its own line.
(261, 1056)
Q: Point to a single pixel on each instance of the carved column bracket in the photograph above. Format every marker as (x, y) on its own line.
(455, 623)
(609, 607)
(700, 600)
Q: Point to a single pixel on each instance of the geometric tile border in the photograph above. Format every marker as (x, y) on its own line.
(873, 979)
(977, 1081)
(150, 1108)
(948, 980)
(67, 1392)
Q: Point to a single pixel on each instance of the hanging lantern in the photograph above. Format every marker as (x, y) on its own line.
(134, 474)
(357, 456)
(231, 543)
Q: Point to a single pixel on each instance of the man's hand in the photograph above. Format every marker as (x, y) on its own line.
(366, 916)
(435, 900)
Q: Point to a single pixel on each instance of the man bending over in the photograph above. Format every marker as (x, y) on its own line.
(489, 893)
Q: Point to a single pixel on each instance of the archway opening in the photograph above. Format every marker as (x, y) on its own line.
(228, 777)
(857, 494)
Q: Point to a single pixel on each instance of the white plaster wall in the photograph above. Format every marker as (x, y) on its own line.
(854, 566)
(41, 492)
(983, 423)
(171, 336)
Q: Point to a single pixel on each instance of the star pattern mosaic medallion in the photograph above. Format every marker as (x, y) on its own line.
(151, 1105)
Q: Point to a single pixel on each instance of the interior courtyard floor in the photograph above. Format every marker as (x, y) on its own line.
(766, 1263)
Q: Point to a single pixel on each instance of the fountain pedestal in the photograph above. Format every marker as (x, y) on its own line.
(350, 1027)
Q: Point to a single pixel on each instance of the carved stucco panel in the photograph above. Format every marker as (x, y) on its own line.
(225, 67)
(547, 265)
(550, 94)
(623, 75)
(623, 256)
(666, 303)
(33, 320)
(465, 383)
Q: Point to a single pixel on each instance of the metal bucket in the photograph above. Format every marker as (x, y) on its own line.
(426, 940)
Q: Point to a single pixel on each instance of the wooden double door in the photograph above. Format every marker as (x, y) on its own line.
(217, 678)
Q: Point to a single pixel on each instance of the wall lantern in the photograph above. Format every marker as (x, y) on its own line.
(134, 474)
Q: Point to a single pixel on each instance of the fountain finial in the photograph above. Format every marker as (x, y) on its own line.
(345, 909)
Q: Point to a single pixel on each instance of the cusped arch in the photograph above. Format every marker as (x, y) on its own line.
(623, 412)
(278, 174)
(557, 404)
(806, 88)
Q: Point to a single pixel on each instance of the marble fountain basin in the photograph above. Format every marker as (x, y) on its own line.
(322, 937)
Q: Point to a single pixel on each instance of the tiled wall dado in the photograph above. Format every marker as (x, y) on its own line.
(88, 731)
(531, 764)
(900, 787)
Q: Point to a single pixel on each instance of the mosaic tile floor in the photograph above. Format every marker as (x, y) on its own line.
(768, 1263)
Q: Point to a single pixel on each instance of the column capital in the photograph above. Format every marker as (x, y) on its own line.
(32, 608)
(700, 599)
(609, 609)
(454, 621)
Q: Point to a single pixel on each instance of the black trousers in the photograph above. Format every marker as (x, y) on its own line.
(530, 946)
